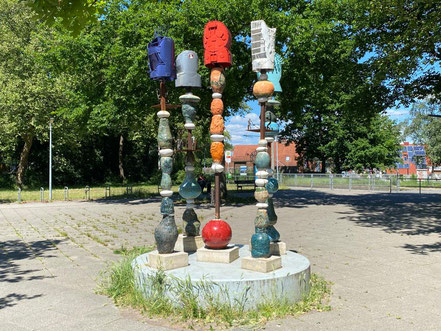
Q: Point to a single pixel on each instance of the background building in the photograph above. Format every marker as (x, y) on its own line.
(284, 155)
(413, 157)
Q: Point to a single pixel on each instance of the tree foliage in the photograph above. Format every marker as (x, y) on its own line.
(425, 129)
(85, 63)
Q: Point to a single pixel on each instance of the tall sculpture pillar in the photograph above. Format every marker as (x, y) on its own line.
(262, 51)
(272, 130)
(217, 41)
(187, 77)
(162, 67)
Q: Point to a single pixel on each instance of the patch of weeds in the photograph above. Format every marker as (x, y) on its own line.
(135, 251)
(180, 300)
(96, 239)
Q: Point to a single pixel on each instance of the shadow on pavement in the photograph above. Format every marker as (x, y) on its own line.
(13, 298)
(14, 251)
(405, 213)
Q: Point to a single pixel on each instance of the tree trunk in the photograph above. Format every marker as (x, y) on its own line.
(24, 156)
(323, 165)
(120, 158)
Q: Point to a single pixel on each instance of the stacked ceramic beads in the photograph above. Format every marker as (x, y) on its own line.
(217, 81)
(190, 189)
(166, 233)
(272, 185)
(260, 241)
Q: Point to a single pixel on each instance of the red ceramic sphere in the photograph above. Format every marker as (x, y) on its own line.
(216, 234)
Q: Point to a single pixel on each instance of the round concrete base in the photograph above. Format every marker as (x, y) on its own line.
(228, 283)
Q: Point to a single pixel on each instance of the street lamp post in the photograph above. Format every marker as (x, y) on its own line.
(51, 121)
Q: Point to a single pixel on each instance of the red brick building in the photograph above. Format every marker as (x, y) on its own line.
(285, 154)
(413, 158)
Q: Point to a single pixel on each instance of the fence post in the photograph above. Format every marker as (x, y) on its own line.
(350, 183)
(295, 180)
(390, 184)
(19, 194)
(107, 190)
(398, 184)
(41, 194)
(420, 185)
(312, 180)
(66, 193)
(370, 184)
(87, 192)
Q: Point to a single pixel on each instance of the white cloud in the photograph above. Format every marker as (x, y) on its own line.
(397, 112)
(237, 127)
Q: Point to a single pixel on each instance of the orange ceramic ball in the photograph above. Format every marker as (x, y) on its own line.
(217, 151)
(217, 80)
(263, 89)
(217, 107)
(217, 125)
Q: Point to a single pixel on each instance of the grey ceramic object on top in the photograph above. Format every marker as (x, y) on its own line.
(187, 70)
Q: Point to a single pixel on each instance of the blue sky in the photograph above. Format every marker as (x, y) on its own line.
(237, 125)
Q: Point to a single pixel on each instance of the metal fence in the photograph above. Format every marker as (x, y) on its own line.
(384, 183)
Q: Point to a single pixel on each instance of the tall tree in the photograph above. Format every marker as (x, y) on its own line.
(28, 91)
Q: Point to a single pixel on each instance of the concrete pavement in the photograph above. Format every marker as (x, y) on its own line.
(381, 251)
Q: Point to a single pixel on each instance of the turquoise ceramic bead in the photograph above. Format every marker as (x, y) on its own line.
(260, 245)
(167, 206)
(190, 188)
(272, 186)
(273, 234)
(262, 160)
(164, 134)
(189, 112)
(166, 164)
(166, 182)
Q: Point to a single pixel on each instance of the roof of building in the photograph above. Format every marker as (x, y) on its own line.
(287, 154)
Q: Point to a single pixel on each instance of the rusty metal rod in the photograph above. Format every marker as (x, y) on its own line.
(162, 95)
(262, 120)
(217, 196)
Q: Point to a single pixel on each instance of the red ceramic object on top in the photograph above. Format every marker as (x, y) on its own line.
(216, 234)
(217, 43)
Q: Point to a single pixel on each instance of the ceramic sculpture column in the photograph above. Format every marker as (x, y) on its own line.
(272, 185)
(217, 41)
(262, 51)
(272, 129)
(162, 68)
(187, 77)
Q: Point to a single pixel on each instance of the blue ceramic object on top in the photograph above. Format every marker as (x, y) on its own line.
(162, 58)
(275, 75)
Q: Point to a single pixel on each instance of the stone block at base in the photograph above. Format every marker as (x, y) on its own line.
(278, 248)
(188, 244)
(226, 255)
(167, 261)
(262, 264)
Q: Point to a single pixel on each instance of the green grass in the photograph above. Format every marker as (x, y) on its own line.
(96, 192)
(118, 282)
